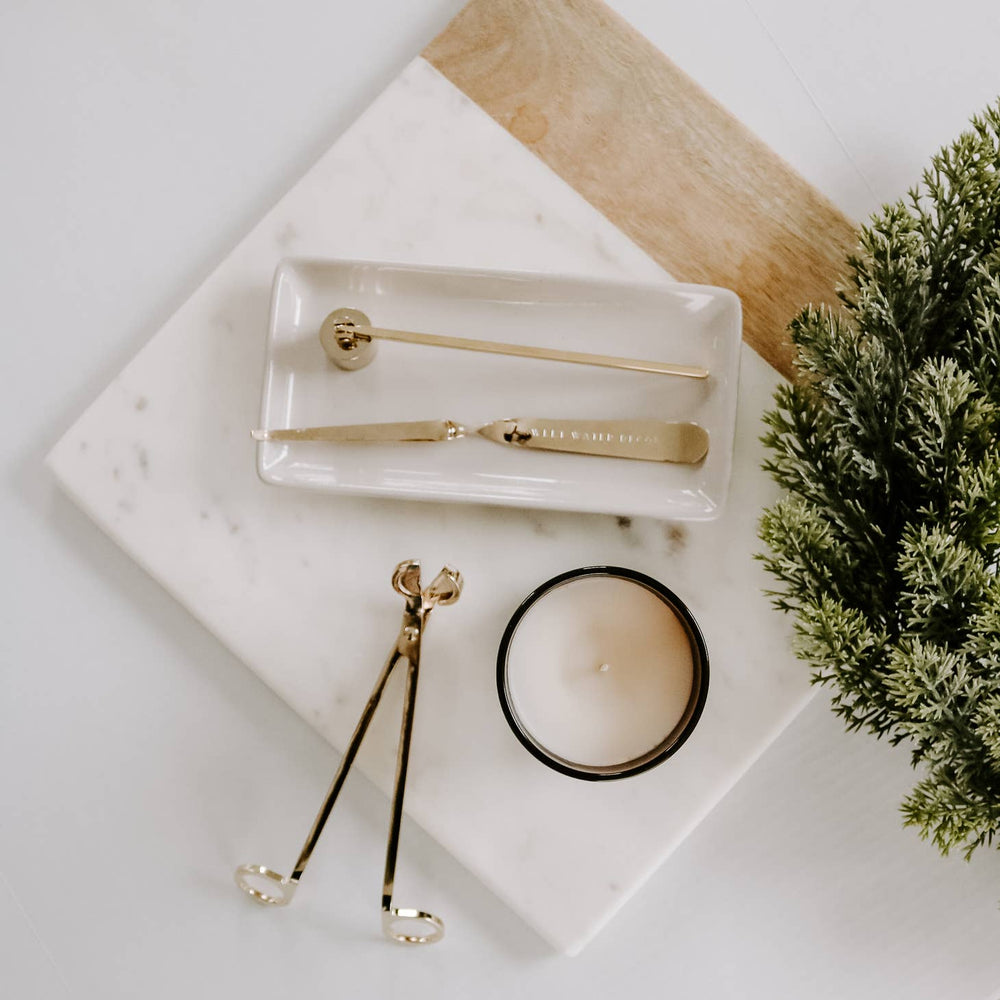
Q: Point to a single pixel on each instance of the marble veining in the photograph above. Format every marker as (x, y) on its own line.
(164, 462)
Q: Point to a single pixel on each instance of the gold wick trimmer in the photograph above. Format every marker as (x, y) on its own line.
(404, 925)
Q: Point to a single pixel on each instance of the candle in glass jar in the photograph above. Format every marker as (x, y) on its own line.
(602, 673)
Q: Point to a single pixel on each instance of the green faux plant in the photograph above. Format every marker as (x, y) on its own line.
(886, 542)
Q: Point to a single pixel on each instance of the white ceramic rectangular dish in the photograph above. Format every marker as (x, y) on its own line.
(685, 324)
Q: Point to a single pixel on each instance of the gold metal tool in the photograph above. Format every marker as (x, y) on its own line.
(647, 440)
(409, 430)
(350, 340)
(403, 925)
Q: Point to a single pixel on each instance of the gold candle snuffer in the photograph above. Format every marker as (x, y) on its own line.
(404, 925)
(350, 341)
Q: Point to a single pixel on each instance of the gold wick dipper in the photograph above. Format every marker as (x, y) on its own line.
(404, 925)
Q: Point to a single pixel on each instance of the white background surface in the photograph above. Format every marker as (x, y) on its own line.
(139, 145)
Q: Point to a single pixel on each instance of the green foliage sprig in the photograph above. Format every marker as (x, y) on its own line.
(886, 542)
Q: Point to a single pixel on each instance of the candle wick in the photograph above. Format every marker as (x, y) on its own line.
(604, 668)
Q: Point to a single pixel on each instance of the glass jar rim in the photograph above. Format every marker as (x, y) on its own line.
(673, 740)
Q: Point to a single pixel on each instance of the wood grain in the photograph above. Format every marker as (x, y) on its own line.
(645, 145)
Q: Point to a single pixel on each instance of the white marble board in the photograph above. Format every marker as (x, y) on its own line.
(297, 584)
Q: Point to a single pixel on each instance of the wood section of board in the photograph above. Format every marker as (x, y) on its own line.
(650, 149)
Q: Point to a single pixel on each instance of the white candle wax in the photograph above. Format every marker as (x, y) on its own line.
(600, 671)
